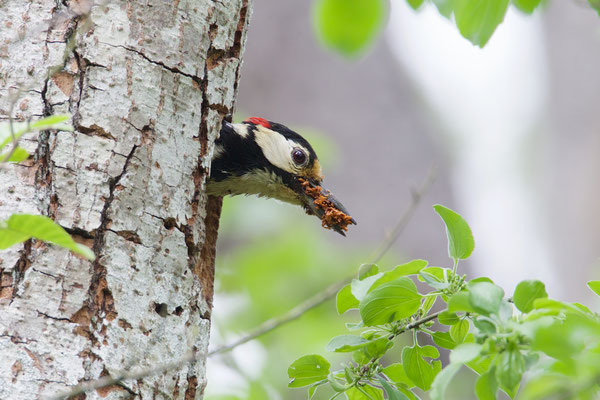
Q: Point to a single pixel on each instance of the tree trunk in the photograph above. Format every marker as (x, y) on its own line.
(148, 84)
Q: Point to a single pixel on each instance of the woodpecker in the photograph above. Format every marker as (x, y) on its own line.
(267, 159)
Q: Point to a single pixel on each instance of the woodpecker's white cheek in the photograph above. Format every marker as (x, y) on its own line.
(277, 149)
(241, 129)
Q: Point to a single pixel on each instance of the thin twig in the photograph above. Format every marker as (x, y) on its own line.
(332, 290)
(420, 322)
(417, 195)
(289, 316)
(125, 376)
(365, 368)
(276, 322)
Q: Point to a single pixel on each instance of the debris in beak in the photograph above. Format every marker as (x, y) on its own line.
(332, 213)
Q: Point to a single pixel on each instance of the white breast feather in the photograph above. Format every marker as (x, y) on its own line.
(259, 182)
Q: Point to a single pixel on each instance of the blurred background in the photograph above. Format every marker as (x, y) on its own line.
(513, 131)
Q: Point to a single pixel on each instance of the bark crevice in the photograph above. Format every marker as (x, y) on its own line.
(161, 64)
(100, 297)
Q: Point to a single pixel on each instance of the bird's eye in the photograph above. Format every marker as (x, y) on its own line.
(299, 156)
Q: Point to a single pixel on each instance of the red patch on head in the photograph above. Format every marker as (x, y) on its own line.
(259, 121)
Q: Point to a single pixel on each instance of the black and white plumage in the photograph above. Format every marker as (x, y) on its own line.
(264, 158)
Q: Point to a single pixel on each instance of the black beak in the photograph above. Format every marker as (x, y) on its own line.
(320, 202)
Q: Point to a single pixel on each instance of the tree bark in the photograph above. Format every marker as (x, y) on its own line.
(148, 84)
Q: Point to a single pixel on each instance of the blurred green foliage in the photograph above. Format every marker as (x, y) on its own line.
(270, 258)
(477, 20)
(595, 4)
(350, 26)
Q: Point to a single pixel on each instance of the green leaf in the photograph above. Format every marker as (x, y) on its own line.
(427, 304)
(308, 369)
(595, 286)
(486, 386)
(313, 389)
(408, 393)
(429, 351)
(510, 366)
(506, 311)
(485, 325)
(56, 121)
(526, 292)
(442, 380)
(377, 348)
(360, 357)
(445, 7)
(595, 4)
(465, 353)
(354, 326)
(345, 343)
(392, 393)
(551, 304)
(460, 237)
(448, 318)
(477, 20)
(583, 308)
(367, 270)
(410, 268)
(460, 302)
(372, 393)
(459, 331)
(480, 279)
(438, 272)
(444, 340)
(391, 301)
(481, 364)
(419, 371)
(415, 4)
(563, 339)
(433, 281)
(395, 372)
(336, 384)
(547, 386)
(344, 300)
(360, 288)
(485, 297)
(20, 227)
(59, 122)
(531, 359)
(348, 26)
(527, 6)
(20, 154)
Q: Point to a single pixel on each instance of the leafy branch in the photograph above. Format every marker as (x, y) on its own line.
(498, 338)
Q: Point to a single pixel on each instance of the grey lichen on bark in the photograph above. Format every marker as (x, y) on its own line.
(148, 84)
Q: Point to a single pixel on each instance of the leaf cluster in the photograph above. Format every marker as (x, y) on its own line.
(350, 26)
(500, 338)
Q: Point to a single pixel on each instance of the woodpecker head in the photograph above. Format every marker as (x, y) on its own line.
(268, 159)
